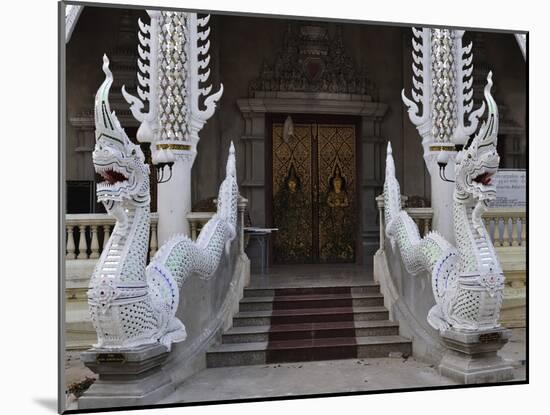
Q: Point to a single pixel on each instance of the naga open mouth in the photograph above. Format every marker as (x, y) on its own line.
(111, 176)
(484, 179)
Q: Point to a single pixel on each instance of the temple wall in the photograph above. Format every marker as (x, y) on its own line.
(84, 75)
(408, 299)
(206, 308)
(239, 60)
(367, 45)
(239, 46)
(509, 74)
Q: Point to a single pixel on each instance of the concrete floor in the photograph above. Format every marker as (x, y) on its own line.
(515, 352)
(287, 379)
(75, 371)
(332, 376)
(312, 275)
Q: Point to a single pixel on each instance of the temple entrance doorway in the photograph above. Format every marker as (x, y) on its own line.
(313, 170)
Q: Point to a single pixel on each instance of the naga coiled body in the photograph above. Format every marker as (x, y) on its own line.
(467, 279)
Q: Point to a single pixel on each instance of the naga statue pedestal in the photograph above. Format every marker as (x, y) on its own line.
(472, 356)
(127, 377)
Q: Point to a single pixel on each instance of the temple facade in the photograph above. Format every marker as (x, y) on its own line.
(337, 86)
(249, 190)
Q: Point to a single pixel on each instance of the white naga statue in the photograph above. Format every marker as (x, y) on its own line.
(132, 304)
(467, 280)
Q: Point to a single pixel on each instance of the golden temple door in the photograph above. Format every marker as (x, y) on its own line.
(313, 183)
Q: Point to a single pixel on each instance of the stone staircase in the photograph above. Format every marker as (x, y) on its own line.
(293, 324)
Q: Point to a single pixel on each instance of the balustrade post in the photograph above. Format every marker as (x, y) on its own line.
(194, 230)
(242, 203)
(426, 226)
(515, 231)
(95, 243)
(106, 235)
(524, 231)
(506, 234)
(380, 204)
(82, 248)
(70, 243)
(495, 235)
(153, 244)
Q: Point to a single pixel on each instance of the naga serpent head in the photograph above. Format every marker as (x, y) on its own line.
(120, 165)
(478, 162)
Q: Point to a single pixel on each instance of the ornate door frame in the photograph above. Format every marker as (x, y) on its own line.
(319, 121)
(253, 147)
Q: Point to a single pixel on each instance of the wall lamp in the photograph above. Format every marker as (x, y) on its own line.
(162, 159)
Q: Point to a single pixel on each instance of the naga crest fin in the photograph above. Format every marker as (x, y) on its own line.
(488, 132)
(230, 169)
(392, 191)
(107, 125)
(390, 165)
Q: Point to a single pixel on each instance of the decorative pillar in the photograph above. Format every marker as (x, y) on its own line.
(442, 99)
(174, 196)
(174, 60)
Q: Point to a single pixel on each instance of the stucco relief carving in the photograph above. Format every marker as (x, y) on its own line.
(313, 60)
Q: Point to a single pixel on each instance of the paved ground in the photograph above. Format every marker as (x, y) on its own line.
(288, 379)
(312, 275)
(75, 371)
(306, 378)
(331, 376)
(515, 352)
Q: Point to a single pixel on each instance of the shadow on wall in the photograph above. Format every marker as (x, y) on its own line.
(206, 308)
(409, 299)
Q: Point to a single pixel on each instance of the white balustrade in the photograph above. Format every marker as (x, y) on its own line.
(506, 226)
(91, 228)
(197, 221)
(422, 217)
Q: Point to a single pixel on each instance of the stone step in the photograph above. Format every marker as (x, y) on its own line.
(271, 291)
(251, 334)
(239, 354)
(311, 301)
(309, 315)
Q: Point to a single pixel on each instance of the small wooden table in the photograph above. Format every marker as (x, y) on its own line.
(262, 235)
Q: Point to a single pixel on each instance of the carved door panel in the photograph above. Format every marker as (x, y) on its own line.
(313, 193)
(292, 194)
(336, 196)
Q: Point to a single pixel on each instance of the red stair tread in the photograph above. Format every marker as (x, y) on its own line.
(311, 297)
